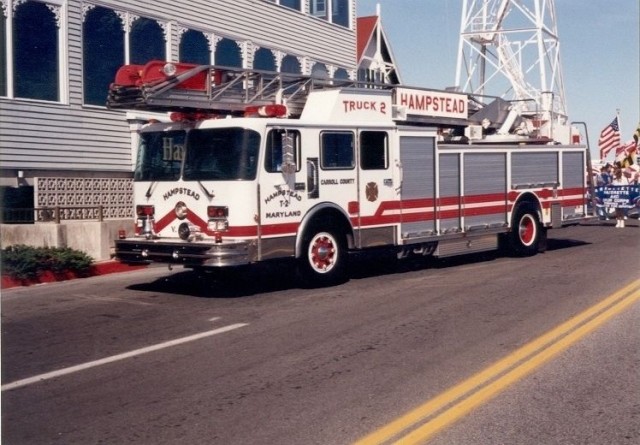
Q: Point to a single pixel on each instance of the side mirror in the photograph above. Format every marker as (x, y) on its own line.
(288, 167)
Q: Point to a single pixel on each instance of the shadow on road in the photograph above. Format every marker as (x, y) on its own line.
(281, 275)
(559, 244)
(233, 282)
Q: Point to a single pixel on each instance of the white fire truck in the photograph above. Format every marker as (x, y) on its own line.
(255, 166)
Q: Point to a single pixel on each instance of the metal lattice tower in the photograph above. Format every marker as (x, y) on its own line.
(510, 49)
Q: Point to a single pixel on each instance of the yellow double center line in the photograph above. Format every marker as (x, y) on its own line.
(420, 424)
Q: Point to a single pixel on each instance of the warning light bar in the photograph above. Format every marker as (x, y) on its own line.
(273, 110)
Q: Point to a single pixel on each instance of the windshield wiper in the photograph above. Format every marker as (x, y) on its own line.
(205, 190)
(148, 194)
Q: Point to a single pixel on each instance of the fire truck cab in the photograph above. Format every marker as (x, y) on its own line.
(233, 181)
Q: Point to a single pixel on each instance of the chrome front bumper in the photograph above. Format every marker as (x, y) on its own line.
(142, 251)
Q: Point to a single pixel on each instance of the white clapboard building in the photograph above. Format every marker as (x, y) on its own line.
(61, 147)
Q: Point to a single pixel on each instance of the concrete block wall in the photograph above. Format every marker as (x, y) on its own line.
(95, 238)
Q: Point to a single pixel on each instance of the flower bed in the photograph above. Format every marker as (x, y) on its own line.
(26, 265)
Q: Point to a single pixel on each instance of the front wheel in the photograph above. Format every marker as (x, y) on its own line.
(526, 232)
(324, 257)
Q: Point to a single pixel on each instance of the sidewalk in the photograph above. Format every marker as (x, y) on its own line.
(99, 268)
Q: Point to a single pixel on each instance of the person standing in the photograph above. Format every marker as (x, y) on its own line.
(605, 177)
(619, 179)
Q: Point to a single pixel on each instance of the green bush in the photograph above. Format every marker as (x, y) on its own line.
(26, 262)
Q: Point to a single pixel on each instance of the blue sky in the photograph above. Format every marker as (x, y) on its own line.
(599, 50)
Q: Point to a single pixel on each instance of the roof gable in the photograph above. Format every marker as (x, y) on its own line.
(374, 53)
(365, 29)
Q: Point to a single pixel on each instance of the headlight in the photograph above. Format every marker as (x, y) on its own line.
(181, 210)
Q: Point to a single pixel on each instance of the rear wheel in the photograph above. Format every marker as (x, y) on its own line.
(526, 232)
(324, 257)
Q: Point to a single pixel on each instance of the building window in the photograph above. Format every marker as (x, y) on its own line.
(104, 33)
(36, 71)
(103, 53)
(319, 8)
(146, 42)
(290, 64)
(319, 71)
(228, 53)
(336, 150)
(194, 48)
(264, 60)
(334, 11)
(340, 12)
(3, 55)
(341, 74)
(293, 4)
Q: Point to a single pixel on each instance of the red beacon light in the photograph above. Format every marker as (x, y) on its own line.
(273, 110)
(218, 221)
(575, 139)
(191, 117)
(145, 210)
(217, 212)
(145, 222)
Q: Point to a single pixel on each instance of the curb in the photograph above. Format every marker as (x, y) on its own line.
(96, 269)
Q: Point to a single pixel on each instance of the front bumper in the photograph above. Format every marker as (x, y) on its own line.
(142, 251)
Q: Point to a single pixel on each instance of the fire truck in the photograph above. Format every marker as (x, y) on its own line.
(252, 166)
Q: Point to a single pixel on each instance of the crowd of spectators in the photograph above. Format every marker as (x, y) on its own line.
(616, 175)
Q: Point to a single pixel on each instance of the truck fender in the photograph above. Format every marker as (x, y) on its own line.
(327, 211)
(530, 198)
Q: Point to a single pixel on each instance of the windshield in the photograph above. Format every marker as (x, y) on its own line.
(160, 156)
(212, 154)
(219, 154)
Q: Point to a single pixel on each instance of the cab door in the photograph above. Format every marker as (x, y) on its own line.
(376, 190)
(282, 192)
(333, 175)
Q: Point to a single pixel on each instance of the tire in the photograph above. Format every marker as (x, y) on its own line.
(526, 231)
(323, 260)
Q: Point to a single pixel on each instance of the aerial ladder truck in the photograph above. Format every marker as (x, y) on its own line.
(252, 166)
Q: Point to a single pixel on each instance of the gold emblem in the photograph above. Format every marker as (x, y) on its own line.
(371, 190)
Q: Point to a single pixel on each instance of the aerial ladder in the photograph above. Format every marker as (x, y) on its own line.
(511, 48)
(508, 66)
(170, 87)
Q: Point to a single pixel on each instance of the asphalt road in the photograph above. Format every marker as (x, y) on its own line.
(401, 352)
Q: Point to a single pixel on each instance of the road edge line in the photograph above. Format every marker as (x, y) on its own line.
(114, 358)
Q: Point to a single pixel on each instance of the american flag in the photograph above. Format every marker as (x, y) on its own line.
(609, 138)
